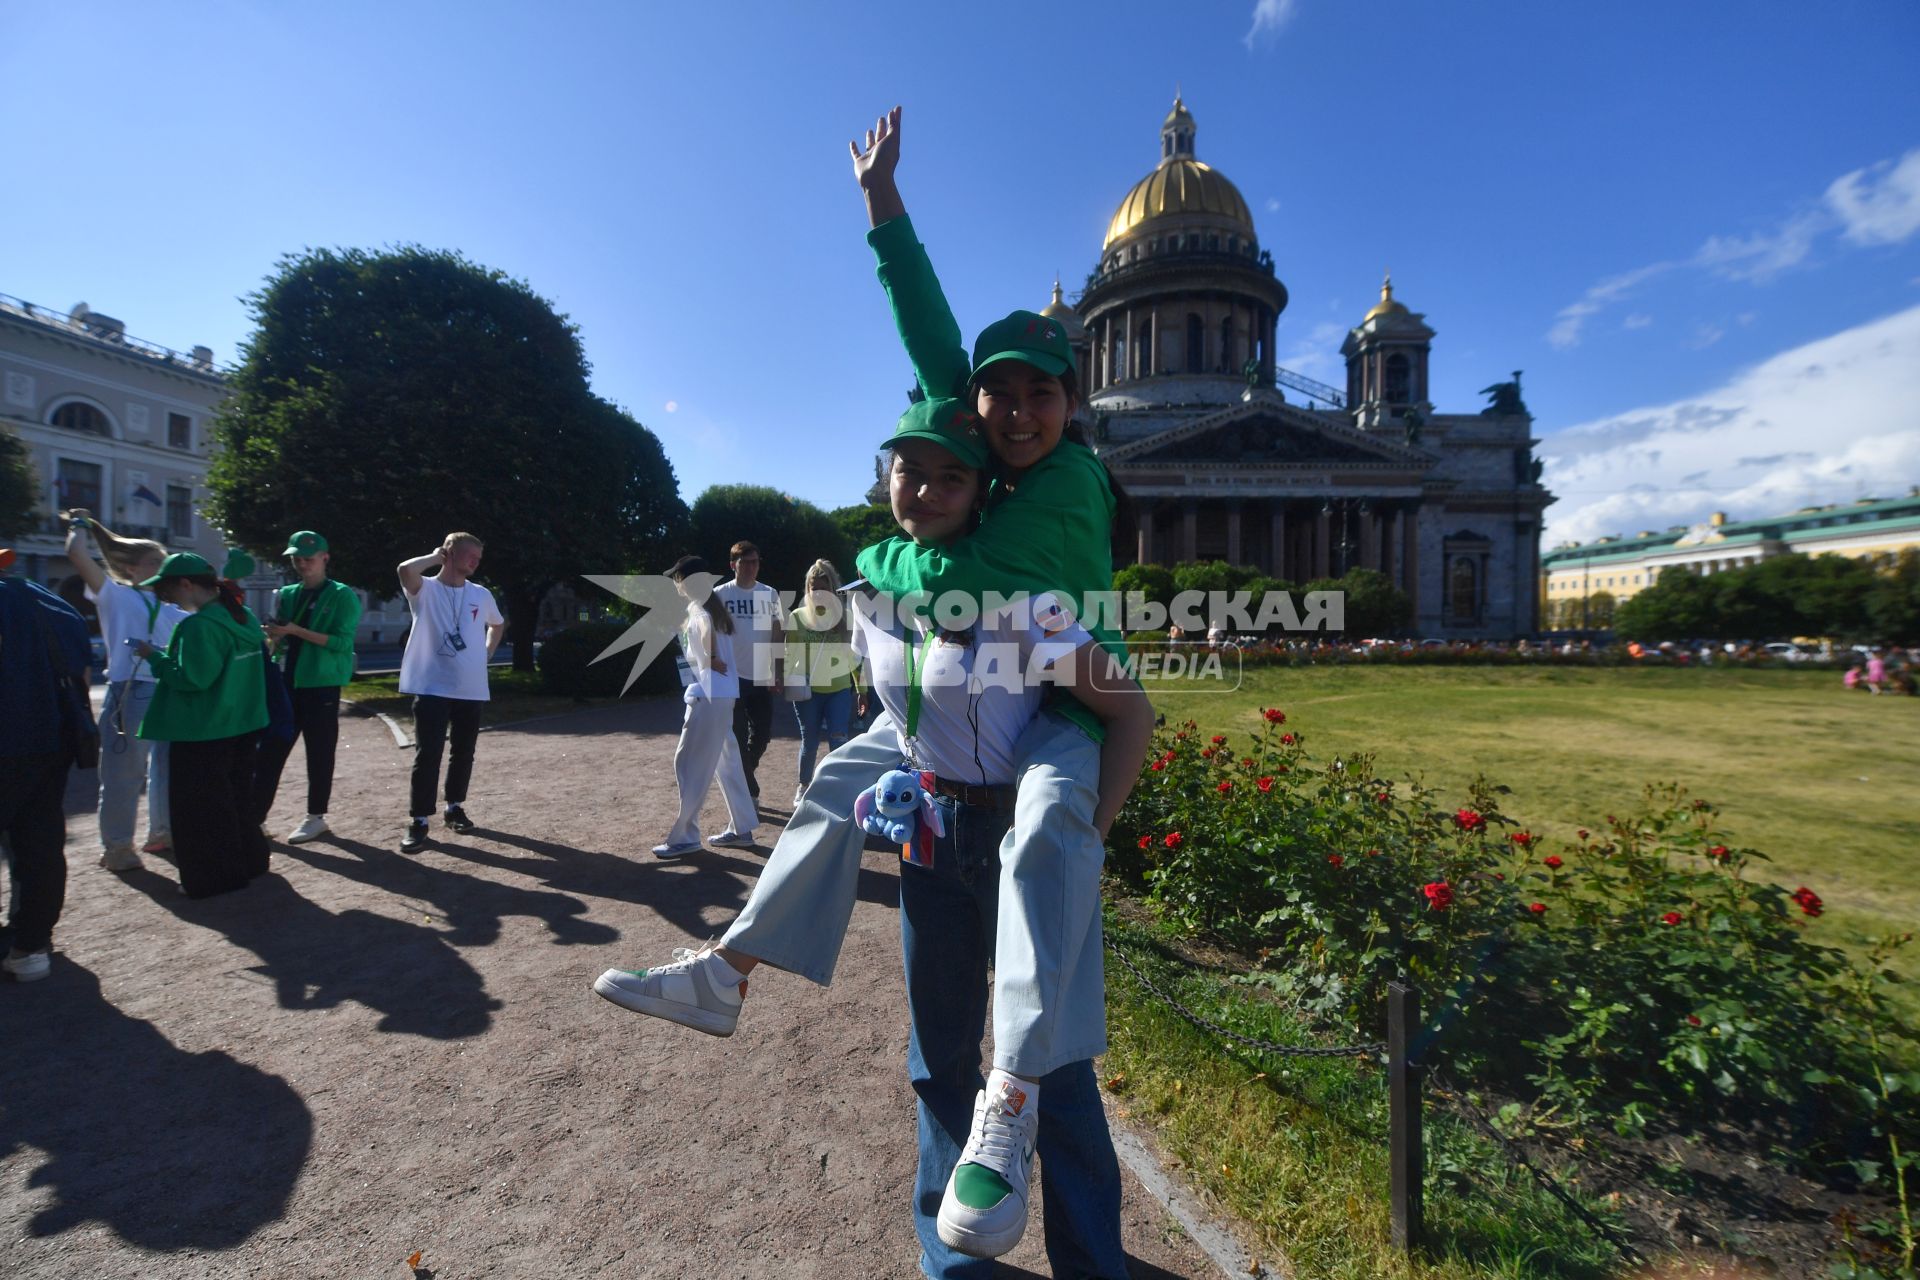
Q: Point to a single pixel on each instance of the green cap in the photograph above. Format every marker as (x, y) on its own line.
(239, 565)
(1027, 336)
(305, 543)
(951, 424)
(181, 564)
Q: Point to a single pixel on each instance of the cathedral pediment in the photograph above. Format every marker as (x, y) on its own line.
(1265, 432)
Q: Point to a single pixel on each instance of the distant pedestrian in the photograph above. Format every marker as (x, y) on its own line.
(45, 728)
(708, 747)
(127, 612)
(211, 705)
(312, 629)
(456, 628)
(1876, 672)
(757, 622)
(820, 659)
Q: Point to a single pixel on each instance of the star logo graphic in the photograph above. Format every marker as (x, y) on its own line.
(659, 626)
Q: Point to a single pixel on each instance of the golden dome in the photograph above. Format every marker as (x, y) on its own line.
(1179, 186)
(1388, 305)
(1058, 308)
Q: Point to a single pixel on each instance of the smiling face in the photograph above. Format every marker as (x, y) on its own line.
(1024, 409)
(933, 493)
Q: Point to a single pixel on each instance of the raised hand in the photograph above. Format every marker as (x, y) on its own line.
(873, 167)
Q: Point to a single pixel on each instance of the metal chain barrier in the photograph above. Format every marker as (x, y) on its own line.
(1265, 1046)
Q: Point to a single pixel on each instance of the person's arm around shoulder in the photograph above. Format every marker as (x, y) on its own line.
(1121, 705)
(412, 571)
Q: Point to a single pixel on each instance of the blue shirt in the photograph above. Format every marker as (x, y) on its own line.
(29, 701)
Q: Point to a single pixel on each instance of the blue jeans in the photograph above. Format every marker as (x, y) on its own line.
(127, 761)
(828, 712)
(947, 924)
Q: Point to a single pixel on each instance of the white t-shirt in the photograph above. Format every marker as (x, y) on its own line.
(128, 613)
(757, 623)
(447, 650)
(977, 697)
(698, 675)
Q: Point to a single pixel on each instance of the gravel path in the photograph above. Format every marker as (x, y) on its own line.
(367, 1054)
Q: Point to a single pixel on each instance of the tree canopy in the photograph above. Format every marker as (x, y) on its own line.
(1781, 597)
(791, 533)
(19, 490)
(388, 398)
(865, 523)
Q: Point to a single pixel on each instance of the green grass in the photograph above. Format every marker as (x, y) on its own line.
(1821, 780)
(516, 695)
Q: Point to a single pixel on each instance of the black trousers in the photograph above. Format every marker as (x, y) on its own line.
(434, 718)
(35, 826)
(316, 718)
(752, 727)
(216, 841)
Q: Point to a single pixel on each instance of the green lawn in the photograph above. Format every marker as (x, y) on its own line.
(1825, 782)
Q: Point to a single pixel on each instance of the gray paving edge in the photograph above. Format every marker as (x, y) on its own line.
(1215, 1240)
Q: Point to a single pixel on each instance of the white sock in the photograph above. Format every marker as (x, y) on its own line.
(722, 973)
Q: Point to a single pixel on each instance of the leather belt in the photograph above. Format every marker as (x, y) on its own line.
(998, 798)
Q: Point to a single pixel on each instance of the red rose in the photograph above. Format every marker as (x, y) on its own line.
(1336, 860)
(1809, 901)
(1552, 860)
(1381, 797)
(1469, 820)
(1583, 833)
(1523, 839)
(1224, 787)
(1274, 715)
(1265, 784)
(1373, 853)
(1157, 765)
(1180, 737)
(1499, 875)
(1672, 917)
(1439, 895)
(1219, 740)
(1693, 1019)
(1173, 840)
(1719, 853)
(1538, 908)
(1246, 762)
(1206, 753)
(1286, 739)
(1145, 841)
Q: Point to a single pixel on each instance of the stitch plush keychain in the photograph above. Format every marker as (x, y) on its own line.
(895, 808)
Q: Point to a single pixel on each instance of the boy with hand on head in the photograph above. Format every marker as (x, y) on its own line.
(456, 628)
(314, 620)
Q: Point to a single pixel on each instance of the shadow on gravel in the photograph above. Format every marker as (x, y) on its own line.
(473, 908)
(167, 1149)
(316, 959)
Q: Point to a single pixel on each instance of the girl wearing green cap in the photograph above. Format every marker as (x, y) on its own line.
(210, 706)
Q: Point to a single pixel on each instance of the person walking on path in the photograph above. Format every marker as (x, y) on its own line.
(127, 612)
(1876, 672)
(820, 659)
(44, 721)
(708, 746)
(211, 705)
(757, 621)
(456, 628)
(314, 620)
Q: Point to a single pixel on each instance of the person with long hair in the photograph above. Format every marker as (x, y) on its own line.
(708, 746)
(127, 612)
(211, 705)
(818, 660)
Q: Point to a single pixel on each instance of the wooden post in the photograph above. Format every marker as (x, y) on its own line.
(1405, 1151)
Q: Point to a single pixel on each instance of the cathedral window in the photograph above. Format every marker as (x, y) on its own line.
(1196, 344)
(1463, 590)
(1399, 379)
(1226, 345)
(1143, 353)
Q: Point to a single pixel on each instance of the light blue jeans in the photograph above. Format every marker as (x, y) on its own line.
(1049, 1005)
(822, 714)
(126, 761)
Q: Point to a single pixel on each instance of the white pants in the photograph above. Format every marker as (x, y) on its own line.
(707, 746)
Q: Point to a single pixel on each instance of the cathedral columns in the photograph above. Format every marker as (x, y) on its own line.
(1323, 543)
(1410, 548)
(1277, 549)
(1233, 531)
(1145, 553)
(1189, 531)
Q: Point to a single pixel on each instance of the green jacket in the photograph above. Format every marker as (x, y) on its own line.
(1052, 531)
(336, 613)
(211, 682)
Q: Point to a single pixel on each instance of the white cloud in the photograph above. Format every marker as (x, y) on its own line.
(1269, 17)
(673, 406)
(1826, 422)
(1573, 318)
(1764, 254)
(1881, 204)
(1315, 354)
(1638, 320)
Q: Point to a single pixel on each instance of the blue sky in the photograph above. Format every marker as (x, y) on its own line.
(1695, 227)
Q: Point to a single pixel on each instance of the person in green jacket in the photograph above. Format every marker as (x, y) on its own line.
(314, 620)
(210, 706)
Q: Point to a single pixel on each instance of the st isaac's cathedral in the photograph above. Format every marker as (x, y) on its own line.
(1227, 456)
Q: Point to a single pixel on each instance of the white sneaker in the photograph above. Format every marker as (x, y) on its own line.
(120, 860)
(683, 991)
(312, 829)
(799, 794)
(676, 848)
(29, 968)
(731, 840)
(984, 1211)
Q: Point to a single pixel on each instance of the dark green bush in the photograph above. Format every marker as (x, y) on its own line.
(567, 664)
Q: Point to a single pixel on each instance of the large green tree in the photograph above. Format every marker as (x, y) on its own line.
(865, 523)
(19, 490)
(387, 398)
(790, 532)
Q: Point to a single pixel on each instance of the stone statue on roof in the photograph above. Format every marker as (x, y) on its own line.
(1504, 398)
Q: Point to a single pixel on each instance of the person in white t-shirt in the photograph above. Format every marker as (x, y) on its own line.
(758, 623)
(707, 747)
(456, 628)
(127, 613)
